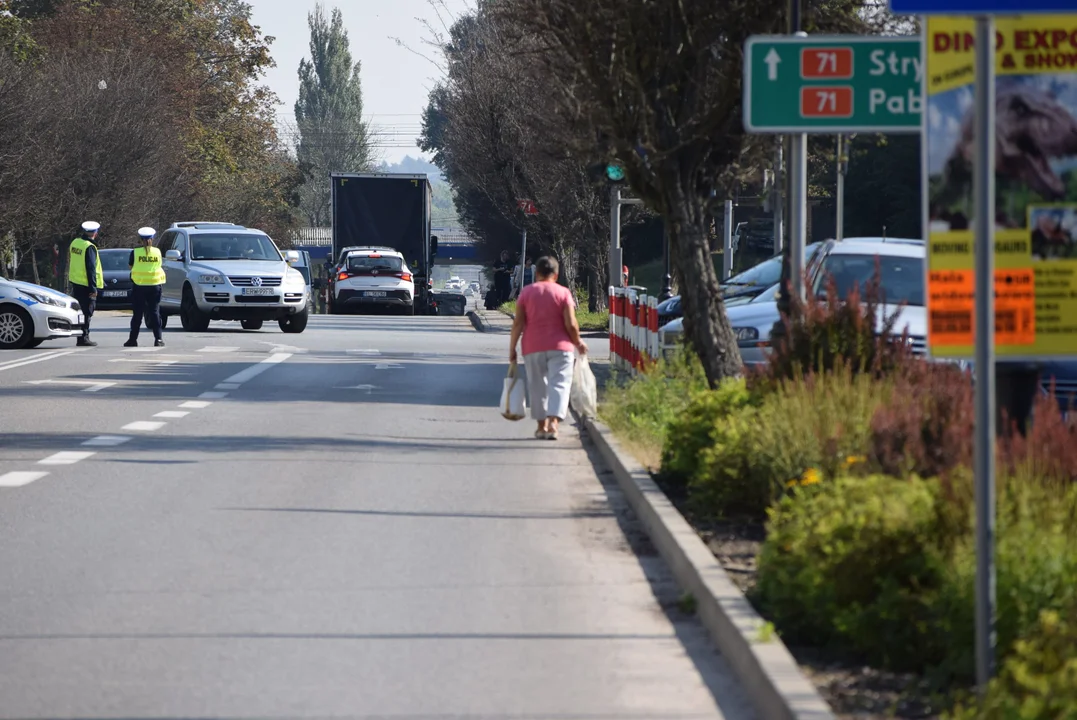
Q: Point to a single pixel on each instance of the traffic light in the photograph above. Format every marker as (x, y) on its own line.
(611, 173)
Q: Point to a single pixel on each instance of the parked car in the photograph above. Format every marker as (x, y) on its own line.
(222, 271)
(850, 263)
(373, 277)
(743, 286)
(116, 294)
(31, 314)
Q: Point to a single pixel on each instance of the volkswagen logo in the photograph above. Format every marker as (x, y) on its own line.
(256, 282)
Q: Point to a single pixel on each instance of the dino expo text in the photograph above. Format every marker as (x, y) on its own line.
(1036, 179)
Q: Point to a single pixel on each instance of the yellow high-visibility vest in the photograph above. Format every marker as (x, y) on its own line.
(147, 269)
(76, 264)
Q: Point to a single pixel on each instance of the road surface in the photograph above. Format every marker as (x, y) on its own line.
(332, 524)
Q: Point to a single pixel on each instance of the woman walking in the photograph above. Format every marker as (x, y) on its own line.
(546, 317)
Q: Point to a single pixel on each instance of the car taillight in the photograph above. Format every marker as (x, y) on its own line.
(406, 277)
(343, 276)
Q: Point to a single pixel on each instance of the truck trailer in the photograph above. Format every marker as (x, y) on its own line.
(387, 210)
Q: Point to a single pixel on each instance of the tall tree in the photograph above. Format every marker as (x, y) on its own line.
(329, 114)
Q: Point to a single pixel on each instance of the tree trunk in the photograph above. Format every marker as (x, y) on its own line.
(706, 324)
(33, 265)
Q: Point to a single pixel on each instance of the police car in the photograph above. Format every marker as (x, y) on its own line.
(31, 314)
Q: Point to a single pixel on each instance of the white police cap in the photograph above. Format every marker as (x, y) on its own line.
(146, 232)
(91, 226)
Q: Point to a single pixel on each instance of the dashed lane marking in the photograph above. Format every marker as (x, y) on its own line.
(69, 457)
(143, 426)
(213, 396)
(255, 370)
(88, 385)
(172, 414)
(106, 441)
(11, 365)
(18, 479)
(195, 404)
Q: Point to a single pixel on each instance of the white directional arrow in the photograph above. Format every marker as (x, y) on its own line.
(772, 60)
(90, 385)
(369, 388)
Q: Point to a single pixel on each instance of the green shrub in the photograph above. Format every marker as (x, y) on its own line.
(1038, 680)
(641, 409)
(820, 421)
(1036, 569)
(707, 448)
(855, 564)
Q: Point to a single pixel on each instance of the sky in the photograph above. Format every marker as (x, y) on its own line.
(396, 81)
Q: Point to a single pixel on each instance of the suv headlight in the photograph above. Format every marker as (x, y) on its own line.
(210, 279)
(746, 335)
(294, 277)
(43, 299)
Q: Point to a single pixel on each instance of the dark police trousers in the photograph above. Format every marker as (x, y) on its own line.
(146, 300)
(82, 294)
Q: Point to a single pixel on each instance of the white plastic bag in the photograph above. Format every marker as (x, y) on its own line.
(584, 395)
(513, 396)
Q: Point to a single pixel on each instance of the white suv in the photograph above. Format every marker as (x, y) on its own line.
(221, 271)
(373, 276)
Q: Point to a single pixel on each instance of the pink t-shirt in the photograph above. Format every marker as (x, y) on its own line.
(543, 305)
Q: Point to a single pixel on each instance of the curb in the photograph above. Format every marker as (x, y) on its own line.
(478, 321)
(767, 671)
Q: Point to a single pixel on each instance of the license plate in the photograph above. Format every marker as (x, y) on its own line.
(374, 293)
(259, 291)
(115, 293)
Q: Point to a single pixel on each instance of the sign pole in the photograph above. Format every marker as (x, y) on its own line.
(615, 237)
(839, 230)
(984, 329)
(727, 241)
(798, 226)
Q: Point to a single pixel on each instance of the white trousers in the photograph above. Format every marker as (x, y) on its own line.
(549, 383)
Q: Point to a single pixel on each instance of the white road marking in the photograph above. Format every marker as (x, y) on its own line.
(65, 458)
(143, 426)
(142, 349)
(89, 385)
(217, 348)
(39, 358)
(213, 396)
(18, 479)
(363, 352)
(195, 404)
(388, 366)
(274, 347)
(106, 441)
(368, 388)
(167, 363)
(172, 414)
(227, 386)
(255, 370)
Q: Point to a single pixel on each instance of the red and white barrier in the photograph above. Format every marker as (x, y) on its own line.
(633, 330)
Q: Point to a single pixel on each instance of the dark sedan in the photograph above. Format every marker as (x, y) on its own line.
(116, 295)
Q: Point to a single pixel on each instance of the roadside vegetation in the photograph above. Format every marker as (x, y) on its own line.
(856, 457)
(589, 321)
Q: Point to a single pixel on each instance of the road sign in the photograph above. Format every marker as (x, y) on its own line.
(832, 84)
(527, 206)
(979, 7)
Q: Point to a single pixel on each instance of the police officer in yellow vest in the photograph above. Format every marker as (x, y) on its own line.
(85, 275)
(148, 275)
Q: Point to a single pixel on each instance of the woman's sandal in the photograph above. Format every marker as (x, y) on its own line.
(552, 435)
(542, 435)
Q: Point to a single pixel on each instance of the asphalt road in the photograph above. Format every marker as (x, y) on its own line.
(331, 524)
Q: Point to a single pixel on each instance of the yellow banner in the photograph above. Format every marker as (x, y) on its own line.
(1036, 177)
